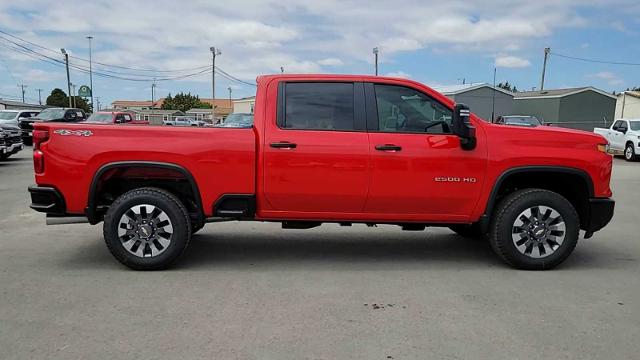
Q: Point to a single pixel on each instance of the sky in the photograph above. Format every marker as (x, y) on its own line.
(435, 42)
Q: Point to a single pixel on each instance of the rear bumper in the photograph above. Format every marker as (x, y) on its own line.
(600, 213)
(47, 200)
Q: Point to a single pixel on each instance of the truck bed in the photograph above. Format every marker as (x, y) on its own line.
(221, 160)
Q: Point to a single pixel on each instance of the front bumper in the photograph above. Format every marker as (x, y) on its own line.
(599, 215)
(47, 200)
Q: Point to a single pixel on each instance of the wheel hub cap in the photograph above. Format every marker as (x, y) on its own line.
(538, 231)
(145, 230)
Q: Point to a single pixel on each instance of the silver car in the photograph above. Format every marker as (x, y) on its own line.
(183, 121)
(13, 117)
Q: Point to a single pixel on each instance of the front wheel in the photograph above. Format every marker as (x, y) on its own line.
(629, 152)
(534, 229)
(147, 229)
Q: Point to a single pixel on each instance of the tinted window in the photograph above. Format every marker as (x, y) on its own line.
(319, 106)
(617, 124)
(102, 118)
(401, 109)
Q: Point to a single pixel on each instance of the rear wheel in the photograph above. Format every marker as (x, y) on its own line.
(147, 229)
(629, 152)
(534, 229)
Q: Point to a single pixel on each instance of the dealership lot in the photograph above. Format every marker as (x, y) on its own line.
(252, 290)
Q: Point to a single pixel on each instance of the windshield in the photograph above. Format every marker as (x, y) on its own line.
(8, 115)
(51, 114)
(102, 118)
(635, 125)
(239, 120)
(521, 120)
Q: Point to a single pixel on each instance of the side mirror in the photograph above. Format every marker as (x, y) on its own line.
(461, 126)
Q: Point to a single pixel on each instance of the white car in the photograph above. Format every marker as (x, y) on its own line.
(13, 117)
(183, 121)
(623, 137)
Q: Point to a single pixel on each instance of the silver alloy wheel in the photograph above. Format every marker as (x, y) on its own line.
(538, 231)
(628, 153)
(145, 230)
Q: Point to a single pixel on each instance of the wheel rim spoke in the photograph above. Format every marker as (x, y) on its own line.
(538, 231)
(145, 230)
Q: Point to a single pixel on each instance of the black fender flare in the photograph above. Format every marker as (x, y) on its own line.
(485, 219)
(90, 211)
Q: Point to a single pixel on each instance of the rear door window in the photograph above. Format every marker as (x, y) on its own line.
(318, 106)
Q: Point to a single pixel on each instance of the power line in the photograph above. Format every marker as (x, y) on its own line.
(108, 73)
(595, 61)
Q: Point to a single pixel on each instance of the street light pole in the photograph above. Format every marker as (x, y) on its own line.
(73, 88)
(90, 72)
(214, 53)
(375, 54)
(66, 61)
(39, 96)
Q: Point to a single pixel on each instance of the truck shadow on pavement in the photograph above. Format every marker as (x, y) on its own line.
(340, 251)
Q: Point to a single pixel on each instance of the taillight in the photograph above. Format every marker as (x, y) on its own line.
(38, 161)
(39, 136)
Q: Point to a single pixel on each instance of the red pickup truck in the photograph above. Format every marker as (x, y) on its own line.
(329, 148)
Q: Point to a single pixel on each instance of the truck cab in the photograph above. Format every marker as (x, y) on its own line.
(624, 138)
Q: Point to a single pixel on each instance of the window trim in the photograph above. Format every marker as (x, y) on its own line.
(359, 115)
(373, 123)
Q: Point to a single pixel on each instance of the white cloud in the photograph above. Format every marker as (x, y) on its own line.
(330, 62)
(607, 76)
(399, 74)
(508, 61)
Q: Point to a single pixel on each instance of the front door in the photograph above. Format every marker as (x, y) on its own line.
(316, 154)
(419, 170)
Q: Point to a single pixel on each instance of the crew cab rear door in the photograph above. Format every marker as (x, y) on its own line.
(419, 170)
(316, 153)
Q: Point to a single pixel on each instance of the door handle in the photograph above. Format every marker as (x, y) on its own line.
(283, 145)
(388, 147)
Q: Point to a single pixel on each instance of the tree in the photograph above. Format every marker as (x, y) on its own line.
(59, 98)
(507, 87)
(184, 102)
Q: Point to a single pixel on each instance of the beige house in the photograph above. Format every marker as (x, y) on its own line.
(244, 105)
(628, 105)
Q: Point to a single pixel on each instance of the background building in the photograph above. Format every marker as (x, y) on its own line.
(136, 104)
(628, 105)
(156, 116)
(244, 105)
(17, 105)
(483, 99)
(579, 108)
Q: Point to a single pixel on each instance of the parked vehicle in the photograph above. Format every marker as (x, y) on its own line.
(13, 117)
(12, 140)
(329, 148)
(183, 121)
(115, 117)
(623, 137)
(237, 120)
(3, 144)
(518, 120)
(50, 115)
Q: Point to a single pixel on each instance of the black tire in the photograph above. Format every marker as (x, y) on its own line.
(471, 231)
(630, 152)
(504, 225)
(166, 202)
(4, 157)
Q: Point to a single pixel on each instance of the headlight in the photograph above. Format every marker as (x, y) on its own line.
(603, 148)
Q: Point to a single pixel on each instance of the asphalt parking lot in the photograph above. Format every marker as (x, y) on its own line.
(255, 291)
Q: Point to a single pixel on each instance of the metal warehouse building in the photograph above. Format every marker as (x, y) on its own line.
(483, 99)
(578, 108)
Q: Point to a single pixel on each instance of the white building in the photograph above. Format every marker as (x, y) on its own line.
(244, 105)
(628, 105)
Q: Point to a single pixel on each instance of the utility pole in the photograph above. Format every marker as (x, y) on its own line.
(98, 102)
(153, 98)
(90, 72)
(39, 96)
(544, 67)
(73, 88)
(214, 52)
(66, 61)
(375, 54)
(22, 86)
(281, 69)
(493, 102)
(230, 102)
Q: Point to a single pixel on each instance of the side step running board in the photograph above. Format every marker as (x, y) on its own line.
(63, 220)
